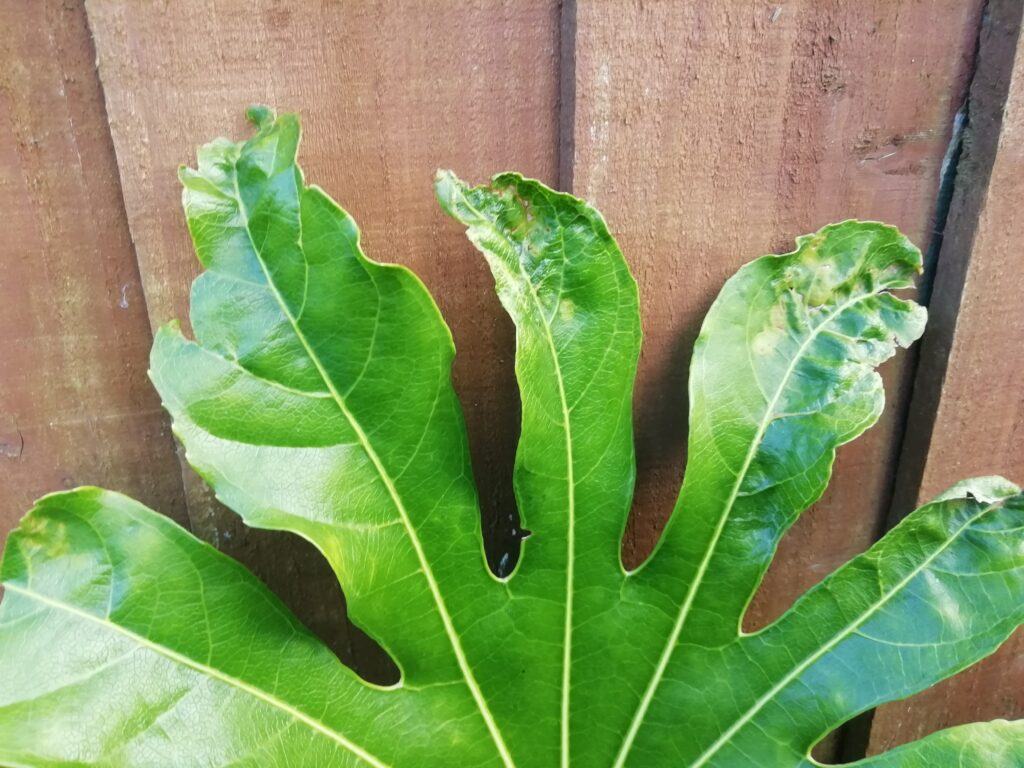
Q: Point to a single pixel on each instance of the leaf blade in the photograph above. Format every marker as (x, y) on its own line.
(782, 375)
(104, 586)
(868, 615)
(387, 372)
(564, 282)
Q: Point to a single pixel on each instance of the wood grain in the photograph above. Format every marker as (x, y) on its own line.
(967, 416)
(76, 407)
(388, 92)
(710, 133)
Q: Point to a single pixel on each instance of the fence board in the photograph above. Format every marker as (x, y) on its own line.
(967, 416)
(709, 133)
(388, 93)
(75, 405)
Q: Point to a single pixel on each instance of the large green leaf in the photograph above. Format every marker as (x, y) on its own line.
(316, 398)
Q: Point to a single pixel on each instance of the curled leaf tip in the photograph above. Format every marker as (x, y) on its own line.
(446, 188)
(260, 115)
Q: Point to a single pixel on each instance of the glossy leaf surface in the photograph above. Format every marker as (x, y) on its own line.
(316, 398)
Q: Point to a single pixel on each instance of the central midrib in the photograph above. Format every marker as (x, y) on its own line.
(691, 594)
(385, 477)
(570, 559)
(566, 687)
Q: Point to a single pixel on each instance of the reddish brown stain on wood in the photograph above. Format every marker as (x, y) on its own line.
(76, 407)
(388, 93)
(968, 415)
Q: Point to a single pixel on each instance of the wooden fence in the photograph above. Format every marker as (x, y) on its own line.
(707, 132)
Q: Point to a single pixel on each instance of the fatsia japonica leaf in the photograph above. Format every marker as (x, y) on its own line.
(316, 398)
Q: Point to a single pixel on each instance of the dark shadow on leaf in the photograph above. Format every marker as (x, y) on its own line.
(299, 575)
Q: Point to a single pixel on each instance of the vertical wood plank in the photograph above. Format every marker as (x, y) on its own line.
(967, 415)
(75, 405)
(710, 133)
(388, 92)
